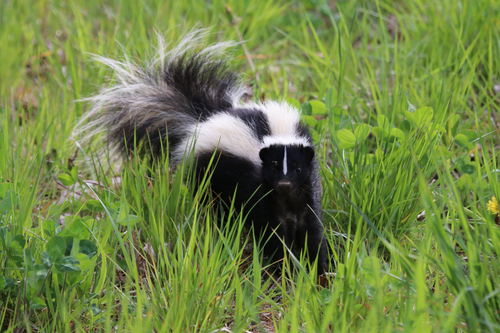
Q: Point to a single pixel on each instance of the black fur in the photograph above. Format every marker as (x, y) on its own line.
(193, 86)
(280, 207)
(160, 105)
(203, 82)
(255, 119)
(294, 200)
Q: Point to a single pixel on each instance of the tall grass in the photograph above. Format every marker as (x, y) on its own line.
(403, 100)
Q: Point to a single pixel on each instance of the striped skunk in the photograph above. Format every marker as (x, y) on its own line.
(265, 161)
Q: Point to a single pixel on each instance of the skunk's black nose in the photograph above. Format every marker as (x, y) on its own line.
(284, 185)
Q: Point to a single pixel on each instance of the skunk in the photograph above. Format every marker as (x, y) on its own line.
(189, 100)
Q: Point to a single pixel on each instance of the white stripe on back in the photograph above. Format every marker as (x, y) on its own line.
(285, 164)
(224, 132)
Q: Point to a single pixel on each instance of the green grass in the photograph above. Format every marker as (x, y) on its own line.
(403, 97)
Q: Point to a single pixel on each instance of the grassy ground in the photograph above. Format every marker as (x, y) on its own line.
(403, 97)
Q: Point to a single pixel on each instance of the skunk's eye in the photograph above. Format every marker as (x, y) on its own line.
(298, 170)
(274, 166)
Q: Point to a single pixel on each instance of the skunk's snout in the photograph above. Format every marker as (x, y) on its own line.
(284, 185)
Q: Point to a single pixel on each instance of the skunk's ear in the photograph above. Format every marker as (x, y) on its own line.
(309, 153)
(264, 154)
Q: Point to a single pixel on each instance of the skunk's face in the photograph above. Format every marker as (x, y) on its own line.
(286, 167)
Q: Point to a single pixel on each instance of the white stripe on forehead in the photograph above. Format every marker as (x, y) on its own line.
(285, 164)
(286, 140)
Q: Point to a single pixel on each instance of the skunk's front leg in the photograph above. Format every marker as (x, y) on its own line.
(276, 237)
(311, 229)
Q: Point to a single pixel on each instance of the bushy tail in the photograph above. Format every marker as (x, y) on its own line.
(164, 97)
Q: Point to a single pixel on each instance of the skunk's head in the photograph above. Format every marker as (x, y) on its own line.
(286, 167)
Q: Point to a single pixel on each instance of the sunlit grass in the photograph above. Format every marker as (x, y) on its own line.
(403, 98)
